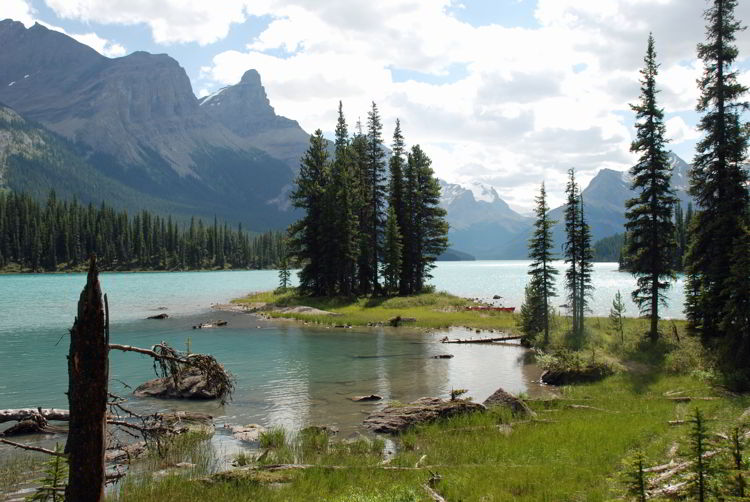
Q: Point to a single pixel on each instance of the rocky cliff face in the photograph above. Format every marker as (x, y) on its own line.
(245, 110)
(137, 121)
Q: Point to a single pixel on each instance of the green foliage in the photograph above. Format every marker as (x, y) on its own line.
(273, 438)
(702, 464)
(616, 316)
(392, 253)
(651, 232)
(536, 308)
(395, 494)
(52, 487)
(456, 393)
(609, 249)
(635, 477)
(718, 183)
(61, 235)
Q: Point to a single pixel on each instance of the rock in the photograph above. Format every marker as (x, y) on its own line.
(192, 385)
(158, 316)
(507, 400)
(362, 399)
(443, 356)
(396, 419)
(497, 297)
(188, 421)
(250, 433)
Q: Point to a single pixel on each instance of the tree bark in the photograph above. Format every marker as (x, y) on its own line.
(88, 373)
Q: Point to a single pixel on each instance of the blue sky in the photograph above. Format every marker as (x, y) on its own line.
(506, 92)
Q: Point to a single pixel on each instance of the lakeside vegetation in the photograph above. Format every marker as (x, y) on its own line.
(59, 236)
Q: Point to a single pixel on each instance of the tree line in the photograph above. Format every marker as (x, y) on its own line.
(711, 244)
(372, 224)
(61, 235)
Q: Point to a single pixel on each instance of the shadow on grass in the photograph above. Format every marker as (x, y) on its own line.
(645, 362)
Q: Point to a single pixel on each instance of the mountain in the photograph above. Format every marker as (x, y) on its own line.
(484, 225)
(245, 110)
(136, 120)
(481, 223)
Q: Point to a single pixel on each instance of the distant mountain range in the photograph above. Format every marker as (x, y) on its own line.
(136, 122)
(130, 131)
(485, 226)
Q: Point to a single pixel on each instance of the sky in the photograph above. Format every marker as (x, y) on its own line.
(506, 92)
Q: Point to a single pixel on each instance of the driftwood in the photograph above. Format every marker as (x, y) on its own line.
(586, 407)
(483, 340)
(23, 413)
(433, 494)
(687, 399)
(32, 448)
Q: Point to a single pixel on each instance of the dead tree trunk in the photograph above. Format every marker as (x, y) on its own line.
(88, 373)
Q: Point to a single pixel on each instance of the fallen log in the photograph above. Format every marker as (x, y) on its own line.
(16, 415)
(483, 340)
(33, 448)
(433, 494)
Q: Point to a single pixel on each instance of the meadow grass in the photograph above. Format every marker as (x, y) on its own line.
(567, 453)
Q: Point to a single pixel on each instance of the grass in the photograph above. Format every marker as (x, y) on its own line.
(567, 454)
(19, 470)
(431, 310)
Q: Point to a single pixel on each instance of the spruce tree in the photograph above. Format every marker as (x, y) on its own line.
(343, 200)
(375, 164)
(392, 253)
(718, 184)
(585, 267)
(649, 214)
(540, 251)
(396, 195)
(571, 247)
(306, 236)
(616, 314)
(363, 194)
(429, 235)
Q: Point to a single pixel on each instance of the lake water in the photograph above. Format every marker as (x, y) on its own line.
(286, 374)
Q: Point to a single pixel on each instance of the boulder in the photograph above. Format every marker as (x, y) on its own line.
(508, 400)
(396, 419)
(192, 385)
(249, 433)
(158, 316)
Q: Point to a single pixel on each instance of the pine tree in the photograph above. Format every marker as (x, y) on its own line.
(363, 194)
(306, 236)
(396, 193)
(392, 253)
(540, 251)
(719, 185)
(585, 267)
(616, 316)
(375, 165)
(342, 199)
(571, 247)
(428, 238)
(532, 312)
(649, 215)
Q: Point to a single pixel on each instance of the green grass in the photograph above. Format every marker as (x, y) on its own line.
(567, 454)
(20, 470)
(432, 310)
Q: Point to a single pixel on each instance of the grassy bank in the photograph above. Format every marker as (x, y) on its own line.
(573, 450)
(431, 310)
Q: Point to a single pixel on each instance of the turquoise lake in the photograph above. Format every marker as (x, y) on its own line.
(286, 374)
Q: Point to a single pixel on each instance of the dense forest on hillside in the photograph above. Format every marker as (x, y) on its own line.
(61, 235)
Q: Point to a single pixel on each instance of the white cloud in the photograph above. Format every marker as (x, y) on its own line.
(171, 21)
(101, 45)
(18, 10)
(678, 131)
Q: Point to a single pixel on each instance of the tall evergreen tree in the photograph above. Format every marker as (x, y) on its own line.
(343, 201)
(540, 251)
(306, 235)
(396, 195)
(428, 237)
(719, 185)
(392, 253)
(375, 163)
(649, 214)
(571, 247)
(585, 267)
(363, 193)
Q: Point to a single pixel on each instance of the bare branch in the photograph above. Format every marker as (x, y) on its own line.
(33, 448)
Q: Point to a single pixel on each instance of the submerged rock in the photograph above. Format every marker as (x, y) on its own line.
(363, 399)
(571, 376)
(508, 400)
(443, 356)
(396, 419)
(158, 316)
(249, 433)
(192, 385)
